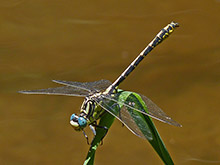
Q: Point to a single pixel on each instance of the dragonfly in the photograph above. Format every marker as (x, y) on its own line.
(102, 96)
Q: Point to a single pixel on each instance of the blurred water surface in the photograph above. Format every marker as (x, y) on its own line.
(92, 40)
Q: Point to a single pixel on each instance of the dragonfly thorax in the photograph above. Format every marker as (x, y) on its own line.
(89, 113)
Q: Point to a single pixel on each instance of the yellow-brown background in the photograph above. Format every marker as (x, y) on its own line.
(92, 40)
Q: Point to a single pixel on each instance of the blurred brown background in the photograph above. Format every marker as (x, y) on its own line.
(92, 40)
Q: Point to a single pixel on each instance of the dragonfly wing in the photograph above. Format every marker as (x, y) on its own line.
(124, 115)
(65, 90)
(157, 112)
(154, 111)
(100, 85)
(96, 86)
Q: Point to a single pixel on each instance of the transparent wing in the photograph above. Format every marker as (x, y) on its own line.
(158, 113)
(96, 86)
(72, 88)
(65, 90)
(154, 111)
(125, 116)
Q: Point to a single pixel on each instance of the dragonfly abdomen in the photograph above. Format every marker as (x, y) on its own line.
(164, 33)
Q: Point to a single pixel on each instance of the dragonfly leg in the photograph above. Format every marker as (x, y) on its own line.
(102, 127)
(87, 139)
(93, 129)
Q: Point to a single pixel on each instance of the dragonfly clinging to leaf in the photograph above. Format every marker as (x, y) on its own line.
(103, 96)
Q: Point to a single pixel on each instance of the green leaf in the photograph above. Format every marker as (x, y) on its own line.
(146, 121)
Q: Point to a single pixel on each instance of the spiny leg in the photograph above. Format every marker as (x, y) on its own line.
(94, 124)
(93, 129)
(87, 139)
(86, 136)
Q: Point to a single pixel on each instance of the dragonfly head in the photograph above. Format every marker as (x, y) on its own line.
(78, 122)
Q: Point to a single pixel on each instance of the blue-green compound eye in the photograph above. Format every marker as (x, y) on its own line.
(72, 117)
(82, 122)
